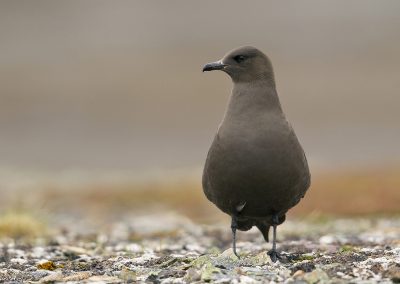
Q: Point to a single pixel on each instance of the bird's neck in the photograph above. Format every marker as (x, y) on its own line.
(253, 98)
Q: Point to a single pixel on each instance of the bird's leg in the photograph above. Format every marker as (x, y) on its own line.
(234, 226)
(273, 254)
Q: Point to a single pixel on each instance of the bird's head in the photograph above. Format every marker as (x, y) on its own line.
(244, 64)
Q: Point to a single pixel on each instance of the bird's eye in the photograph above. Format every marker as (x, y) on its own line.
(239, 58)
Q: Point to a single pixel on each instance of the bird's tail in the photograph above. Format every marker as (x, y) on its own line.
(264, 229)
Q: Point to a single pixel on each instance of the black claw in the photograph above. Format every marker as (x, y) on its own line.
(274, 255)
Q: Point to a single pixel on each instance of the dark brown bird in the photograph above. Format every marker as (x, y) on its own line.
(256, 169)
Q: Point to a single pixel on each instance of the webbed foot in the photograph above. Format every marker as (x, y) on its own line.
(274, 255)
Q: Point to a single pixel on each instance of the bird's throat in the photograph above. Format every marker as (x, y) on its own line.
(250, 99)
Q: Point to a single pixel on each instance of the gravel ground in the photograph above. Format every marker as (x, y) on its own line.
(171, 249)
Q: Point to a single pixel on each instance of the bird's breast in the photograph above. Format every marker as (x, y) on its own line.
(259, 164)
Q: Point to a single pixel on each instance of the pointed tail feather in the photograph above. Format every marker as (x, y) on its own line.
(264, 229)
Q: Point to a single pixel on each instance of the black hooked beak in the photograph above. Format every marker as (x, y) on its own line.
(214, 66)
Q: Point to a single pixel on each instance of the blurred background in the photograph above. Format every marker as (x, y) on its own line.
(105, 114)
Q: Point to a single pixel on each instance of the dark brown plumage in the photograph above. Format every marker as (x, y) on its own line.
(256, 169)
